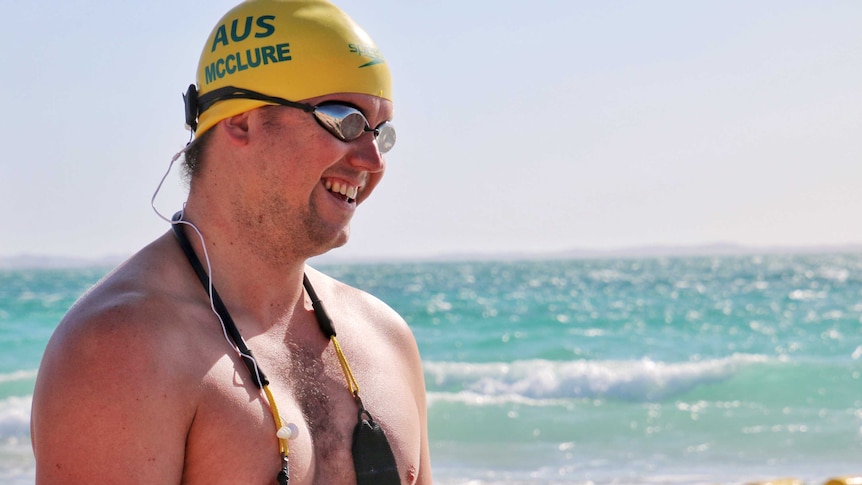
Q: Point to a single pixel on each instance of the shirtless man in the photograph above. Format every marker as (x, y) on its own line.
(142, 384)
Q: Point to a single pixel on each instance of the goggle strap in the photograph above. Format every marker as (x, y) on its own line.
(204, 102)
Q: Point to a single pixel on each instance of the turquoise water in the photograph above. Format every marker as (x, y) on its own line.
(623, 371)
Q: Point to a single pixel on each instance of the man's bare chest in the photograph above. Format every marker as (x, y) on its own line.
(234, 423)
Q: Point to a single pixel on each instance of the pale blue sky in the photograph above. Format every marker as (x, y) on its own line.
(523, 126)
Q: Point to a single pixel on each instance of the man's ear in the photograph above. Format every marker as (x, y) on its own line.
(235, 128)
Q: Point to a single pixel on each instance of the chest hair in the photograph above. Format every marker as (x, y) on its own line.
(319, 392)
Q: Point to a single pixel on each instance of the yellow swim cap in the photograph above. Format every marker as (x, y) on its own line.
(292, 49)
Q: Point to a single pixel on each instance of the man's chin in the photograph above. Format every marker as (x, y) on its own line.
(335, 243)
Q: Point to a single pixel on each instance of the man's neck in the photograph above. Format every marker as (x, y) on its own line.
(265, 289)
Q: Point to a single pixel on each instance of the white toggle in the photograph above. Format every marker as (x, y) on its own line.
(288, 432)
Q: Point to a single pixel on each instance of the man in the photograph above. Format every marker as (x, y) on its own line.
(144, 380)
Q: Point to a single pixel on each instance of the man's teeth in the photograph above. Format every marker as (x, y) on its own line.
(343, 189)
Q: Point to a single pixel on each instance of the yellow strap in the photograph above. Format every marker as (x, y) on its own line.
(348, 374)
(282, 443)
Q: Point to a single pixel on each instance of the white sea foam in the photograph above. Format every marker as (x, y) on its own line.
(17, 465)
(15, 420)
(19, 375)
(546, 382)
(475, 399)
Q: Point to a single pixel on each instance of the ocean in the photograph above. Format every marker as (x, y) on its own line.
(694, 370)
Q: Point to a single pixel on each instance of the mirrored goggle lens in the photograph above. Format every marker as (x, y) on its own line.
(348, 124)
(353, 126)
(332, 118)
(385, 137)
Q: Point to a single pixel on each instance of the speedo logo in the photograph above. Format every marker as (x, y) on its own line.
(367, 51)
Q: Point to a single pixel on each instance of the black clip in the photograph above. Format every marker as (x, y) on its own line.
(283, 477)
(190, 99)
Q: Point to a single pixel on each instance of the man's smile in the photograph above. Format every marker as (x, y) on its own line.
(345, 189)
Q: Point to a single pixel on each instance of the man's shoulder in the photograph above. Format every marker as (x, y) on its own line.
(138, 308)
(341, 294)
(109, 382)
(131, 294)
(354, 309)
(114, 308)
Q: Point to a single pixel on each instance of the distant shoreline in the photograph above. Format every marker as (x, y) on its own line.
(30, 261)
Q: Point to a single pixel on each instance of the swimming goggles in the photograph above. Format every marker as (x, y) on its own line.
(342, 121)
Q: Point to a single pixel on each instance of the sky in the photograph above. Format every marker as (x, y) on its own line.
(523, 127)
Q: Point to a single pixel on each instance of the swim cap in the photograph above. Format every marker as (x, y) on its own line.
(292, 49)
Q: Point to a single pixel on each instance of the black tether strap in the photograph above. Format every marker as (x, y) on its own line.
(260, 379)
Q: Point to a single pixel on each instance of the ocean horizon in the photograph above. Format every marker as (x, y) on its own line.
(722, 369)
(716, 249)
